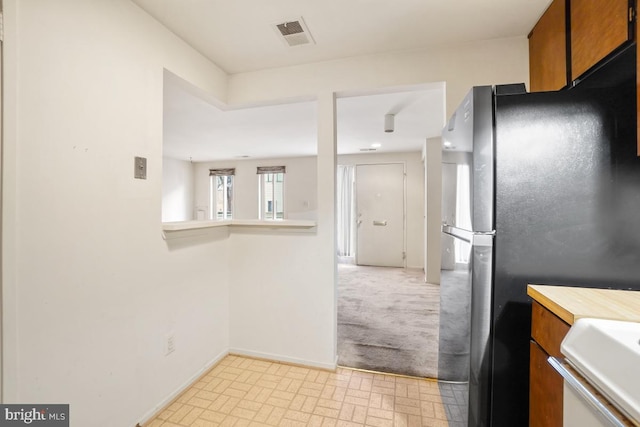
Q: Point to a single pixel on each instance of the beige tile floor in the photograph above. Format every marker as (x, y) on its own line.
(241, 391)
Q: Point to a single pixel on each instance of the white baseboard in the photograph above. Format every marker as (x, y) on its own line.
(153, 412)
(280, 358)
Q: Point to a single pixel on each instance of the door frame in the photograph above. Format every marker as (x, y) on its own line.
(404, 204)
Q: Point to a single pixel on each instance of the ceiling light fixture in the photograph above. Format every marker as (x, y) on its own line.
(389, 122)
(376, 145)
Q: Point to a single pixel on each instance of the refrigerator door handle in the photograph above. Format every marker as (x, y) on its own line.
(476, 238)
(458, 233)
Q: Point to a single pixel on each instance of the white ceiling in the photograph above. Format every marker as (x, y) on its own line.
(195, 129)
(238, 36)
(200, 129)
(419, 113)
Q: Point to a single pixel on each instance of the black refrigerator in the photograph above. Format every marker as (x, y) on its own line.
(552, 190)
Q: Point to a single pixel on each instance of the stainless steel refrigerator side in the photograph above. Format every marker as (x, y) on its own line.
(455, 315)
(482, 178)
(457, 135)
(470, 131)
(480, 350)
(455, 280)
(480, 325)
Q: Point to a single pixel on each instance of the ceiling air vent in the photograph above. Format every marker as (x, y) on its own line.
(368, 149)
(294, 32)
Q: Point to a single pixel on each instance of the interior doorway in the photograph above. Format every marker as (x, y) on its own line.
(388, 317)
(387, 313)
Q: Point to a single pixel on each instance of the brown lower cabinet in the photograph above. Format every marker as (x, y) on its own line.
(545, 391)
(545, 384)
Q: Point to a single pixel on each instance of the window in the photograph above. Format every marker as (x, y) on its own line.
(221, 194)
(271, 192)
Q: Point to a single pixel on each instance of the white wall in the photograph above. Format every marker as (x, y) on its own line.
(90, 288)
(414, 193)
(177, 190)
(283, 301)
(460, 66)
(280, 302)
(300, 186)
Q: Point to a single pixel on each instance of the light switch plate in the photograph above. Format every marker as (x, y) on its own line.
(140, 171)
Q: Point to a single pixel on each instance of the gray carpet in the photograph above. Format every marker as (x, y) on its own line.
(387, 320)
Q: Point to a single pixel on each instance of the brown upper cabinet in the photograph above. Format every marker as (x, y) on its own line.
(598, 27)
(548, 50)
(574, 35)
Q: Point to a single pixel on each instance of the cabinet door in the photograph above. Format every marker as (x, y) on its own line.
(545, 391)
(598, 27)
(548, 50)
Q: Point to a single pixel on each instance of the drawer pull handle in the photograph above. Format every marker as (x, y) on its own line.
(573, 382)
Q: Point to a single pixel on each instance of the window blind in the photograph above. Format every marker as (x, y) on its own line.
(270, 169)
(222, 172)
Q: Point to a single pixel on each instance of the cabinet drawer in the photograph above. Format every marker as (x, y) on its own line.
(547, 329)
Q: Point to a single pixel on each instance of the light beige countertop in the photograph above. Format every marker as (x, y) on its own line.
(573, 303)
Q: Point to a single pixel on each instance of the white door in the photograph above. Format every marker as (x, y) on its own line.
(449, 189)
(380, 215)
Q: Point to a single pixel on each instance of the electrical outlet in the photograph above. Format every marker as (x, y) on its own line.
(169, 344)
